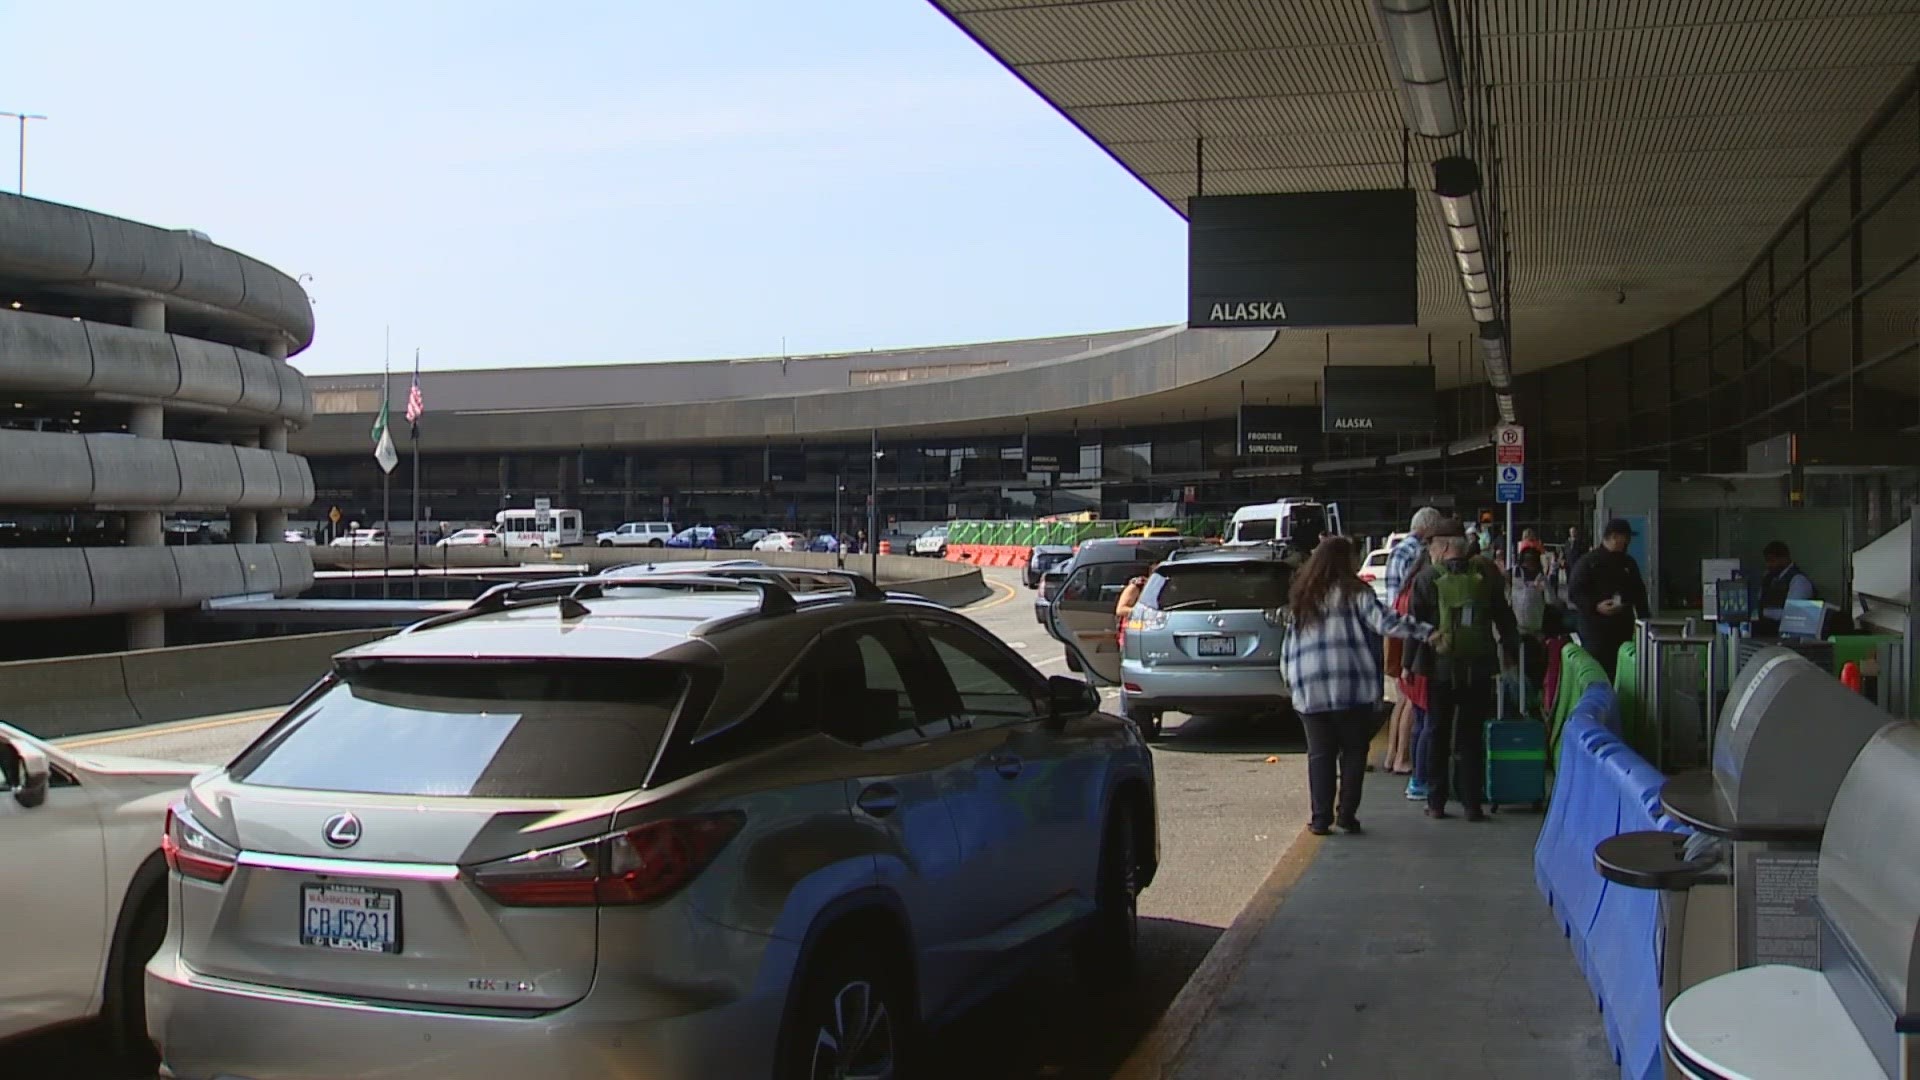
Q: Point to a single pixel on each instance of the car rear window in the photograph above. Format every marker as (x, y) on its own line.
(1216, 586)
(505, 730)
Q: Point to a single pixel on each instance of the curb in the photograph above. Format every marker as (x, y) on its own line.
(1160, 1050)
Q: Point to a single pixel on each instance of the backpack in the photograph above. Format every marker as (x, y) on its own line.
(1466, 610)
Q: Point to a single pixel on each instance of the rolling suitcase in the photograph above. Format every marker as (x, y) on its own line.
(1516, 744)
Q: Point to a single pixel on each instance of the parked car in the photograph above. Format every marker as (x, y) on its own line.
(1204, 637)
(1374, 571)
(1156, 532)
(637, 534)
(781, 541)
(702, 536)
(86, 893)
(580, 828)
(932, 543)
(296, 536)
(471, 538)
(1050, 583)
(361, 538)
(748, 539)
(1040, 558)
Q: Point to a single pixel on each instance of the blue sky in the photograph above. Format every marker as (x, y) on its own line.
(512, 184)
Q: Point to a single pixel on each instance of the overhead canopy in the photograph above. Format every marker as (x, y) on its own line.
(1651, 148)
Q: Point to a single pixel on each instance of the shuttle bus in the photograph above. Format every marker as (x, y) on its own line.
(521, 529)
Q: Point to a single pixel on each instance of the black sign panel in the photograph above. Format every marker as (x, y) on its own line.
(984, 469)
(1313, 258)
(1364, 400)
(1053, 453)
(786, 466)
(1279, 430)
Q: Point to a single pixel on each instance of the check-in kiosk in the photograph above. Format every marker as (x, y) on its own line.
(1857, 1014)
(1740, 891)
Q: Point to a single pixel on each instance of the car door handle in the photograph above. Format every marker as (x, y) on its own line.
(1006, 765)
(879, 800)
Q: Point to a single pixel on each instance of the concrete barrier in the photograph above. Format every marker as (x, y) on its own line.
(952, 584)
(79, 695)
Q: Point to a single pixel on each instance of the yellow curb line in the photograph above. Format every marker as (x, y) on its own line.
(1161, 1048)
(996, 585)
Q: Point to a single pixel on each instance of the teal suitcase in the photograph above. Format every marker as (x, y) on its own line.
(1516, 763)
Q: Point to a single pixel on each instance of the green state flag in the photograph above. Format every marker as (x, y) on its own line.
(383, 451)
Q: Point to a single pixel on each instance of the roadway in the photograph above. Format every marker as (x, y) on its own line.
(1227, 814)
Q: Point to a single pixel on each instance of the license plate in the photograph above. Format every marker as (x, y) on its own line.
(350, 917)
(1219, 646)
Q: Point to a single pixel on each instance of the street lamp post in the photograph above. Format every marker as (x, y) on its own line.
(23, 117)
(873, 509)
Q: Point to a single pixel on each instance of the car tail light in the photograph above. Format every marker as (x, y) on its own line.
(1275, 616)
(1131, 688)
(647, 862)
(1146, 618)
(194, 852)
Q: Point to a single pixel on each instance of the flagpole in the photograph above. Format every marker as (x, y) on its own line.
(414, 437)
(386, 475)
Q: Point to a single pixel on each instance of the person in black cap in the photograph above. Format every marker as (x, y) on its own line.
(1605, 593)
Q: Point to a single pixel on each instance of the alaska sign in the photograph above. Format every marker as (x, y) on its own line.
(1361, 399)
(1308, 259)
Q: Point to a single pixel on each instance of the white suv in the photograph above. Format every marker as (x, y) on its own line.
(86, 900)
(638, 534)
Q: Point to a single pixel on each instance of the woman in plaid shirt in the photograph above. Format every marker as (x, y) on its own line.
(1331, 657)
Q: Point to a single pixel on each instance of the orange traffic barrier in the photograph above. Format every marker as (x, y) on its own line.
(886, 547)
(1850, 677)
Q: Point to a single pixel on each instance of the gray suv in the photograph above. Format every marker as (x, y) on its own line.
(672, 825)
(1204, 637)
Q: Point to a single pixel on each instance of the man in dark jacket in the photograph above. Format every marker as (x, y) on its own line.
(1605, 592)
(1463, 595)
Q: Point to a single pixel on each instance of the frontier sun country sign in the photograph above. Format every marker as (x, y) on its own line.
(1316, 258)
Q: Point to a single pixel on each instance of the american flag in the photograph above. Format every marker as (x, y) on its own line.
(416, 407)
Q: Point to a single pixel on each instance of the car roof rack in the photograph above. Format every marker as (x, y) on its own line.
(569, 594)
(863, 587)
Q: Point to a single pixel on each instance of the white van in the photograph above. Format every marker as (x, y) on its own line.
(637, 534)
(521, 529)
(1265, 523)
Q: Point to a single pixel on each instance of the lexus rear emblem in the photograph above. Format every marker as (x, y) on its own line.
(341, 831)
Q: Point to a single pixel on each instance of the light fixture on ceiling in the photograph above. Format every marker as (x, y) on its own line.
(1456, 180)
(1493, 357)
(1419, 46)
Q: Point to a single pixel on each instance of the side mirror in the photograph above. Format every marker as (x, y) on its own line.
(1068, 697)
(35, 774)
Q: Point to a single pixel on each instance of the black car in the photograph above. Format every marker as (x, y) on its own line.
(1040, 559)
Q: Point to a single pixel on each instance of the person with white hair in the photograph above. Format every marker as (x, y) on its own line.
(1402, 755)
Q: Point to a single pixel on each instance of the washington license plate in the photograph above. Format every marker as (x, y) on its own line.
(1219, 646)
(350, 917)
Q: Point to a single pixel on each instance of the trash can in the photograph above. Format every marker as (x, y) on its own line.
(1740, 892)
(1857, 1015)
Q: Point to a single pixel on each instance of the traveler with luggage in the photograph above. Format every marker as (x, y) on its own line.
(1403, 737)
(1606, 592)
(1332, 666)
(1464, 596)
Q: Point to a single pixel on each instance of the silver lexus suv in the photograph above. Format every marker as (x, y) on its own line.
(663, 826)
(1203, 638)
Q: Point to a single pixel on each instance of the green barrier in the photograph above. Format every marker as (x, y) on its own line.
(1626, 688)
(1858, 648)
(1578, 672)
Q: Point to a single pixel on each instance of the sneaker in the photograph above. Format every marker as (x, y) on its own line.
(1319, 830)
(1416, 791)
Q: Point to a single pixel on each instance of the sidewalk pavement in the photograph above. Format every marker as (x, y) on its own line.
(1418, 951)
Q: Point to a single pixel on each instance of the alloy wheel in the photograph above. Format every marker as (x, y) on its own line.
(856, 1040)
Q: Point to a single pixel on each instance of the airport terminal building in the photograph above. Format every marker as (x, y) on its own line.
(145, 404)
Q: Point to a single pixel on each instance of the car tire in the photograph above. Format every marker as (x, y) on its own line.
(606, 543)
(656, 543)
(1108, 950)
(853, 994)
(125, 1014)
(1148, 721)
